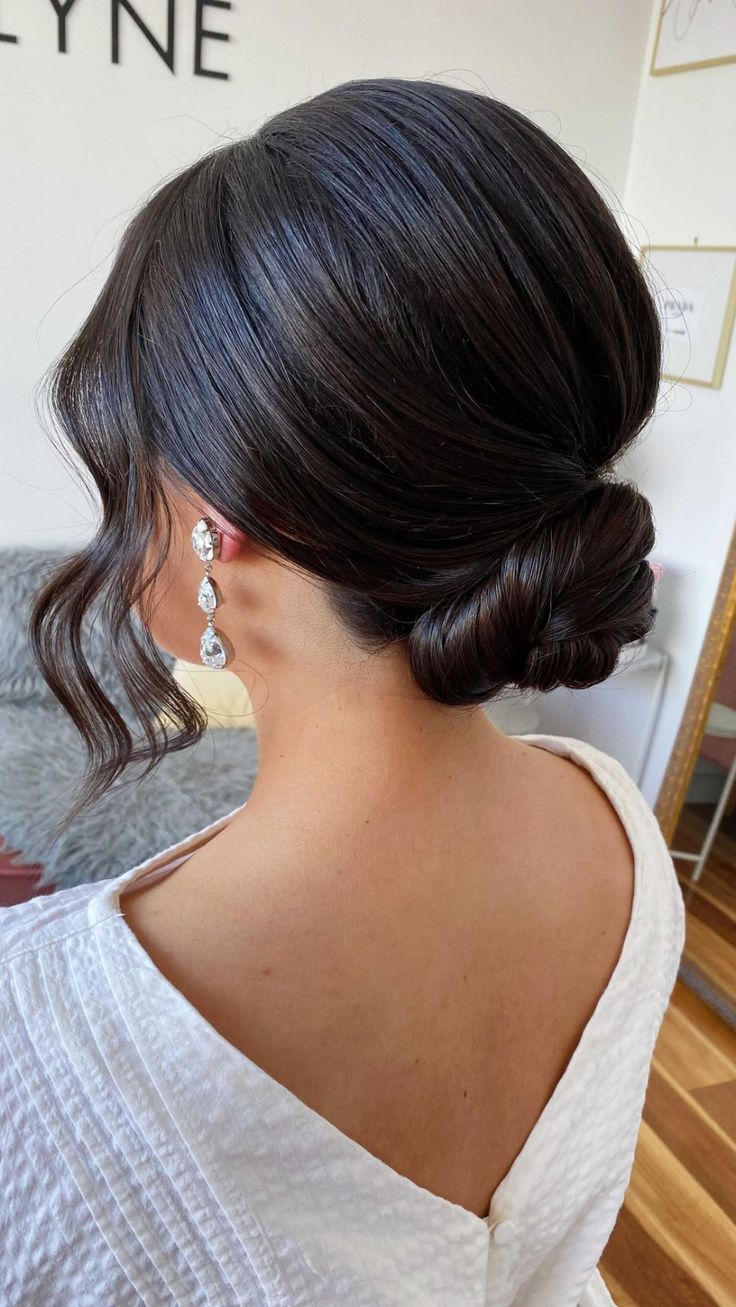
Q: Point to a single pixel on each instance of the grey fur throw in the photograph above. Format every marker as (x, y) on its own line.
(42, 758)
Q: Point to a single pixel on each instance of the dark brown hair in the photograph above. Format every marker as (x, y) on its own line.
(398, 338)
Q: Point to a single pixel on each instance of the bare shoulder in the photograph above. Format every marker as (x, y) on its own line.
(563, 785)
(589, 869)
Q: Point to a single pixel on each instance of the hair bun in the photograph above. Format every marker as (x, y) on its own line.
(556, 610)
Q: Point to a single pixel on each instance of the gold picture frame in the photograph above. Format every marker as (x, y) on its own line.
(729, 308)
(667, 10)
(702, 691)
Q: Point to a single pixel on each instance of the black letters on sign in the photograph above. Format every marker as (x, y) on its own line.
(200, 32)
(62, 9)
(166, 54)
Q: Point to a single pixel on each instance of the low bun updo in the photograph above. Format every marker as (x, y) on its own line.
(556, 609)
(397, 338)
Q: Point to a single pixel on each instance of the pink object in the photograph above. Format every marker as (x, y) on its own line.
(19, 883)
(717, 750)
(231, 537)
(657, 569)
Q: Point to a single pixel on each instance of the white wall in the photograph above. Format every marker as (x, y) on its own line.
(681, 184)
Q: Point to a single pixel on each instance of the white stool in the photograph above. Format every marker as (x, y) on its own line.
(721, 722)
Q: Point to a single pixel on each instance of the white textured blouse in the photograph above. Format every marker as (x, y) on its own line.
(144, 1159)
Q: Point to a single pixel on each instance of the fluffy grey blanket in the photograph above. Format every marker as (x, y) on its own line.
(42, 759)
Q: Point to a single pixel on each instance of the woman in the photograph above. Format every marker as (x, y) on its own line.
(384, 1036)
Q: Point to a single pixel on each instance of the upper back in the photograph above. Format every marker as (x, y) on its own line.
(567, 1156)
(430, 1021)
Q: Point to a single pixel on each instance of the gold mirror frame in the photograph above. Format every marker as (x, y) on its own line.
(702, 691)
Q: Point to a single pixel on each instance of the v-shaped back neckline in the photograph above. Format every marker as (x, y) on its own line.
(105, 905)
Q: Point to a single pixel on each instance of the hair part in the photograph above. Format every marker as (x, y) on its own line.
(398, 339)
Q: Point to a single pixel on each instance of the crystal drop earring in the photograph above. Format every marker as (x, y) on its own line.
(213, 650)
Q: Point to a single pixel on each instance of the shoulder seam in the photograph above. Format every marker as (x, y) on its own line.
(48, 943)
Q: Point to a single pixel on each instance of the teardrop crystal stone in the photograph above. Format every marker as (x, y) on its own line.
(204, 541)
(206, 597)
(211, 649)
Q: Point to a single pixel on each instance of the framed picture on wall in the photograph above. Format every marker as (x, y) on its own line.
(694, 34)
(694, 287)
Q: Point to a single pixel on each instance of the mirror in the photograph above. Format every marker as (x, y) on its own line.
(697, 808)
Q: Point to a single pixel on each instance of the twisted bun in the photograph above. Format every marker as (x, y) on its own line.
(556, 609)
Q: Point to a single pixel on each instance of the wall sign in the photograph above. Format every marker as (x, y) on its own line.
(694, 288)
(693, 34)
(63, 12)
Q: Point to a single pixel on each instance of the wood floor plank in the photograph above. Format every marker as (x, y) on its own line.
(718, 874)
(689, 1056)
(711, 914)
(682, 1219)
(719, 1101)
(617, 1291)
(707, 1023)
(711, 954)
(720, 881)
(645, 1272)
(709, 888)
(698, 1143)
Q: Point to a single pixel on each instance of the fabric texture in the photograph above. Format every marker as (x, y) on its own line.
(144, 1159)
(38, 782)
(137, 816)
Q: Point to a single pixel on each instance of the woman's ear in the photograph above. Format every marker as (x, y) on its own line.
(231, 537)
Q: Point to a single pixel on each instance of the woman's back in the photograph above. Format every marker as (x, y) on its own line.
(461, 948)
(363, 1080)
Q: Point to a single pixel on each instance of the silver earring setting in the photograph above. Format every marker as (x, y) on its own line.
(213, 649)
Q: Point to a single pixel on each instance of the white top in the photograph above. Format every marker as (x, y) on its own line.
(144, 1159)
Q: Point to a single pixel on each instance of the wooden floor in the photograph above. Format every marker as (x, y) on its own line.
(711, 903)
(674, 1244)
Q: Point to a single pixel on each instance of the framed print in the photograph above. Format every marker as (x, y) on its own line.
(694, 34)
(694, 287)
